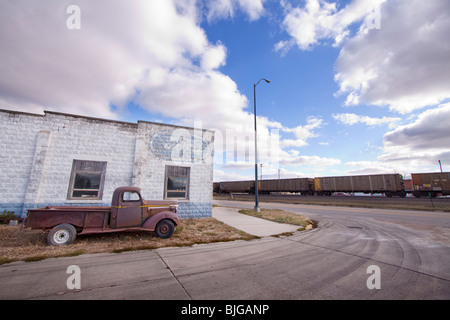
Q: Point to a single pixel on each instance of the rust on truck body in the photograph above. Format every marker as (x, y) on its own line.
(128, 212)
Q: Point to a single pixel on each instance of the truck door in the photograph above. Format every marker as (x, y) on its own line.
(129, 210)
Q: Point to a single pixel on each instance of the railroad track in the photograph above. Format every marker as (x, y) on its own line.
(440, 203)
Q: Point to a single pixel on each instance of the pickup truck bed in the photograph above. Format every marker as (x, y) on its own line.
(85, 218)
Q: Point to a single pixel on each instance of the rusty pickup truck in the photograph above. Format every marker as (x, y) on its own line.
(128, 212)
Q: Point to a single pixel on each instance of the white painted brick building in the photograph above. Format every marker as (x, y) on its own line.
(63, 159)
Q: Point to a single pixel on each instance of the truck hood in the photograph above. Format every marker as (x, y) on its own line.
(156, 206)
(160, 203)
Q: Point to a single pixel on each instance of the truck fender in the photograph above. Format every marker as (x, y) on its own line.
(151, 222)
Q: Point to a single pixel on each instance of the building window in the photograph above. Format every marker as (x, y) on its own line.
(177, 182)
(87, 180)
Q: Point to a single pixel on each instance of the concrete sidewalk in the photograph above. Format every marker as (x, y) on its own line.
(255, 226)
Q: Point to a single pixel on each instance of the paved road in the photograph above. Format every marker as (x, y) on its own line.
(411, 250)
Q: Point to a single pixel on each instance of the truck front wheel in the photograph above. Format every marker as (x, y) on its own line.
(62, 234)
(164, 229)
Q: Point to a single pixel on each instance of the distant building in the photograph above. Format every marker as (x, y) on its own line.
(64, 159)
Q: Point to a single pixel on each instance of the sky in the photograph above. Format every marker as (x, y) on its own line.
(356, 86)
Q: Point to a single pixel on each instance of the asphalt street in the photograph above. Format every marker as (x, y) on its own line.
(354, 254)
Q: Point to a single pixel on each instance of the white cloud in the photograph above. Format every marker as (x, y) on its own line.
(184, 93)
(220, 175)
(405, 63)
(306, 160)
(351, 119)
(254, 8)
(373, 167)
(268, 173)
(427, 137)
(47, 66)
(320, 20)
(214, 57)
(224, 9)
(302, 133)
(398, 57)
(414, 147)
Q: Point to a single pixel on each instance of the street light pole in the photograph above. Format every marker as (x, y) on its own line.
(256, 148)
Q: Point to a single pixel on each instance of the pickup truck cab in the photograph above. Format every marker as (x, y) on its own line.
(128, 212)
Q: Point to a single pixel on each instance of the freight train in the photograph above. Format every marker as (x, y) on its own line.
(392, 184)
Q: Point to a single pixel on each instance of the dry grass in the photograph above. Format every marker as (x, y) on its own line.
(31, 245)
(282, 216)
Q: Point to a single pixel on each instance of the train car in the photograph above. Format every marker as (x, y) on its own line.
(389, 184)
(305, 186)
(237, 187)
(431, 184)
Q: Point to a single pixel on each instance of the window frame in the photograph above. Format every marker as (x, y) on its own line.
(176, 172)
(77, 168)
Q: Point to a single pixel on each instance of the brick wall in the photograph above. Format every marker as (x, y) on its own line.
(37, 152)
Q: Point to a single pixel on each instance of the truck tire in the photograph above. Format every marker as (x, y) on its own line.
(164, 229)
(62, 234)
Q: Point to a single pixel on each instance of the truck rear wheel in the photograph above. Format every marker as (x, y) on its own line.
(164, 229)
(62, 234)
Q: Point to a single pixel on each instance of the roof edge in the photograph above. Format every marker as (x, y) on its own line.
(98, 119)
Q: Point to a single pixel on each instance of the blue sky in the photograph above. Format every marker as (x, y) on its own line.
(357, 86)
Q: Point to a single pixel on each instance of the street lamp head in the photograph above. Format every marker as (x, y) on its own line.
(268, 81)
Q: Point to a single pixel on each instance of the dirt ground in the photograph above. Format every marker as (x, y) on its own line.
(31, 245)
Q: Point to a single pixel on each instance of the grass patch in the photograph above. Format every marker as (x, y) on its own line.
(35, 258)
(74, 253)
(284, 234)
(46, 256)
(282, 216)
(31, 245)
(4, 260)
